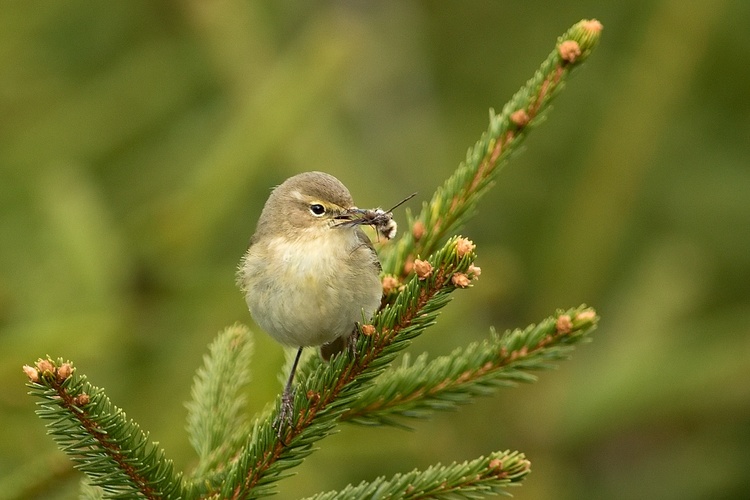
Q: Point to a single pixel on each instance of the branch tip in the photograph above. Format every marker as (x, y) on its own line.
(586, 316)
(464, 246)
(65, 370)
(45, 366)
(32, 373)
(460, 280)
(592, 26)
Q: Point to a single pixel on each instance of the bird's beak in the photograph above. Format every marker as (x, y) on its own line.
(353, 216)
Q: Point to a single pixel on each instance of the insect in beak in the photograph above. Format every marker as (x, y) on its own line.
(381, 220)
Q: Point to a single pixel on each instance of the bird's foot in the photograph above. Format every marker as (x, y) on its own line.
(284, 418)
(351, 341)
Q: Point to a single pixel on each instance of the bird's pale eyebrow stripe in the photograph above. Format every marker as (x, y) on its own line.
(298, 195)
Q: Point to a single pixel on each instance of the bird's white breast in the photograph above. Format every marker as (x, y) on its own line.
(310, 290)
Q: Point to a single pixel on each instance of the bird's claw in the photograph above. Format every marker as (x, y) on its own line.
(284, 418)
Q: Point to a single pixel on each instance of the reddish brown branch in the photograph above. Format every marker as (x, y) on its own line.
(505, 358)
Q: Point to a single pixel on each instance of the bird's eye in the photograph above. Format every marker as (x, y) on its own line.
(317, 209)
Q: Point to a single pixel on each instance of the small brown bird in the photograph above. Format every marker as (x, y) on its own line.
(310, 272)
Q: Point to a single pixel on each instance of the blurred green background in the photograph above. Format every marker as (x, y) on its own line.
(139, 140)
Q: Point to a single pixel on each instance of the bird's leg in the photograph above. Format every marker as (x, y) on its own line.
(287, 402)
(351, 340)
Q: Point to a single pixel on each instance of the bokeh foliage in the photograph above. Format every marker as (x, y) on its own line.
(139, 141)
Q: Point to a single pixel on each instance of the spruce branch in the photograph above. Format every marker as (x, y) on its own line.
(113, 451)
(239, 460)
(455, 201)
(217, 424)
(417, 389)
(474, 479)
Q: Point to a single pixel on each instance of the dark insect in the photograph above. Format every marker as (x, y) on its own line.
(381, 220)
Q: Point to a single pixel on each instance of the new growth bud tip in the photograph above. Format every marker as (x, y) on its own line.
(464, 246)
(474, 271)
(520, 118)
(368, 330)
(45, 366)
(569, 50)
(592, 26)
(390, 284)
(564, 324)
(422, 268)
(64, 371)
(460, 280)
(31, 372)
(587, 315)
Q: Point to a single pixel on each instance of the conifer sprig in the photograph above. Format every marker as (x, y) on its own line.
(475, 479)
(417, 389)
(457, 198)
(238, 460)
(111, 449)
(217, 422)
